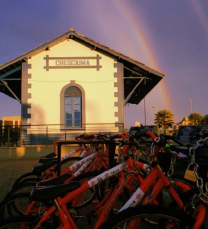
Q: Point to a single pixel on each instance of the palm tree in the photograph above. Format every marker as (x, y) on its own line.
(195, 118)
(164, 119)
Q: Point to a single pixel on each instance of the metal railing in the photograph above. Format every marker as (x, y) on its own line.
(28, 135)
(10, 136)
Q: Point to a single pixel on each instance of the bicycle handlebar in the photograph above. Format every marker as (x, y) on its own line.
(146, 134)
(123, 136)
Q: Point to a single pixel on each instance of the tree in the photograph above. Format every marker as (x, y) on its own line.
(204, 120)
(195, 118)
(164, 119)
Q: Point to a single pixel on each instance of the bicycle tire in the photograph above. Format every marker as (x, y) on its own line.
(90, 194)
(25, 187)
(68, 162)
(149, 216)
(164, 197)
(174, 180)
(192, 184)
(29, 180)
(16, 222)
(17, 205)
(14, 205)
(26, 175)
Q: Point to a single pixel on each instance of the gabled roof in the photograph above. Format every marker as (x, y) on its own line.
(10, 72)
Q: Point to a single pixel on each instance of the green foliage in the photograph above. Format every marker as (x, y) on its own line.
(195, 118)
(164, 119)
(204, 120)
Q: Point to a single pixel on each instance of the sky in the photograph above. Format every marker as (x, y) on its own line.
(169, 36)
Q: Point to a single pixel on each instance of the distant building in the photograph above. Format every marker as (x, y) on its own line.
(184, 122)
(10, 121)
(10, 131)
(137, 123)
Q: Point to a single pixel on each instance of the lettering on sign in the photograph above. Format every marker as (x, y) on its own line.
(72, 62)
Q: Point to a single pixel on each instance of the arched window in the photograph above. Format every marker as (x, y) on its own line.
(73, 107)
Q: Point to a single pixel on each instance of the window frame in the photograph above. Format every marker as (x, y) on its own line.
(63, 125)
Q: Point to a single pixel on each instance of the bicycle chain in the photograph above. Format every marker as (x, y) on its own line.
(199, 180)
(171, 168)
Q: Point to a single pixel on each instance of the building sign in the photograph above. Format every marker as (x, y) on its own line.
(72, 62)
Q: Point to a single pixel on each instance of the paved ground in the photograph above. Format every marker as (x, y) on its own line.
(10, 170)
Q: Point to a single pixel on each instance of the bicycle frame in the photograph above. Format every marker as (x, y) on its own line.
(83, 163)
(62, 202)
(82, 154)
(95, 160)
(159, 181)
(125, 180)
(156, 178)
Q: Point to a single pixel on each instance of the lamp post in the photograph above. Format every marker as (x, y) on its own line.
(153, 114)
(191, 103)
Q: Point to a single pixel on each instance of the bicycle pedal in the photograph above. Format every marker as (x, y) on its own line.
(89, 220)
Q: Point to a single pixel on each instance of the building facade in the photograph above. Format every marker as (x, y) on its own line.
(73, 85)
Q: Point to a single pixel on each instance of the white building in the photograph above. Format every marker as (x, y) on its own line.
(72, 84)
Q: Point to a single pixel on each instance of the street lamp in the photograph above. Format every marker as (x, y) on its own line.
(191, 104)
(153, 114)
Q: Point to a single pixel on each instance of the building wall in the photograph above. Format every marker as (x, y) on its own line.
(32, 152)
(42, 88)
(11, 121)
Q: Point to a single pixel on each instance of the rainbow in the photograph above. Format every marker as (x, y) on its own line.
(141, 37)
(199, 10)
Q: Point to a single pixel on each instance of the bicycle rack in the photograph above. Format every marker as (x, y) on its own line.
(111, 150)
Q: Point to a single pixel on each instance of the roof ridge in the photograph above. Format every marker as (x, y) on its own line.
(70, 34)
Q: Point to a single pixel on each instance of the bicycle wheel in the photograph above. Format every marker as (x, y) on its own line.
(14, 205)
(68, 162)
(21, 188)
(176, 177)
(25, 176)
(89, 195)
(29, 180)
(149, 217)
(23, 222)
(180, 185)
(17, 205)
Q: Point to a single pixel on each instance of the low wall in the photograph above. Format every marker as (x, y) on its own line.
(30, 152)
